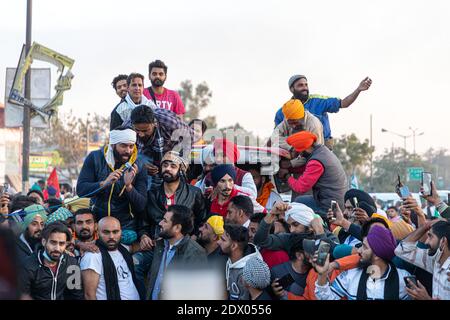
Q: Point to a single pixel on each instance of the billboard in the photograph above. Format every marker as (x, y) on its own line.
(40, 95)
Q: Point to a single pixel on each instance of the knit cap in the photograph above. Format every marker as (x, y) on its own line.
(256, 273)
(62, 214)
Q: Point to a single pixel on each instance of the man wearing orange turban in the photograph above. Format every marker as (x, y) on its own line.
(297, 119)
(323, 174)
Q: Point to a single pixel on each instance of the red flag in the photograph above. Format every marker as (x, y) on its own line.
(53, 181)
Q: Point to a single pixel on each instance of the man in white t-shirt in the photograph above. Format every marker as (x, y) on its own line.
(109, 274)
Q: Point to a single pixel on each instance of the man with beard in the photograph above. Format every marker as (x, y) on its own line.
(234, 243)
(376, 278)
(85, 231)
(239, 211)
(210, 233)
(174, 190)
(115, 181)
(323, 174)
(301, 220)
(335, 268)
(223, 177)
(159, 131)
(298, 267)
(175, 249)
(49, 273)
(319, 105)
(122, 112)
(109, 274)
(435, 260)
(163, 97)
(32, 226)
(120, 85)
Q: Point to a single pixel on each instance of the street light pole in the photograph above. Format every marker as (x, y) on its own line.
(26, 111)
(400, 135)
(414, 137)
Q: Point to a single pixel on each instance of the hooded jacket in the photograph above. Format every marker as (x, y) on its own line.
(233, 272)
(38, 281)
(113, 200)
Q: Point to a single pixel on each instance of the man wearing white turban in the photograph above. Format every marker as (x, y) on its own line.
(301, 220)
(115, 181)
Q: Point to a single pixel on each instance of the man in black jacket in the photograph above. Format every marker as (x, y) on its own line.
(175, 249)
(115, 181)
(174, 190)
(51, 274)
(30, 237)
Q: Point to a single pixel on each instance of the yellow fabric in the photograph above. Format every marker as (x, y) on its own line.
(293, 110)
(75, 204)
(216, 222)
(132, 160)
(389, 223)
(401, 229)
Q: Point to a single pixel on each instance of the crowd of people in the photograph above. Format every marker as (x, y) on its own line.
(138, 214)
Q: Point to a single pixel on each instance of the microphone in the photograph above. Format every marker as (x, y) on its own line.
(128, 167)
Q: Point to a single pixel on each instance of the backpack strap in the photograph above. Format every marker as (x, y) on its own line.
(152, 94)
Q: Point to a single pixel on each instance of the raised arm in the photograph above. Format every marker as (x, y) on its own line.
(363, 86)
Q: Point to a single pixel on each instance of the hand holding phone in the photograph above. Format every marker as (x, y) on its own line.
(412, 278)
(426, 184)
(322, 253)
(286, 281)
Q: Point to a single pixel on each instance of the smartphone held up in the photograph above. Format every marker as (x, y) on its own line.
(426, 183)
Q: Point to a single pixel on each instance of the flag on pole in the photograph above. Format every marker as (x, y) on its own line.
(54, 182)
(354, 182)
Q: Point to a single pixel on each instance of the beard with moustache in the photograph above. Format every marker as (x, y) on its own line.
(34, 239)
(165, 235)
(111, 245)
(119, 157)
(364, 264)
(84, 235)
(157, 83)
(169, 178)
(301, 95)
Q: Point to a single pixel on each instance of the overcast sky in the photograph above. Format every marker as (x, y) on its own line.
(247, 50)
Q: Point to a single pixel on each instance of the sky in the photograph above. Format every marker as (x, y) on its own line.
(247, 50)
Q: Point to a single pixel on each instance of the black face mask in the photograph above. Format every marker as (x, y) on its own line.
(301, 95)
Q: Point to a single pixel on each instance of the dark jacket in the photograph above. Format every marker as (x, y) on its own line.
(188, 253)
(23, 250)
(124, 207)
(282, 241)
(38, 281)
(185, 195)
